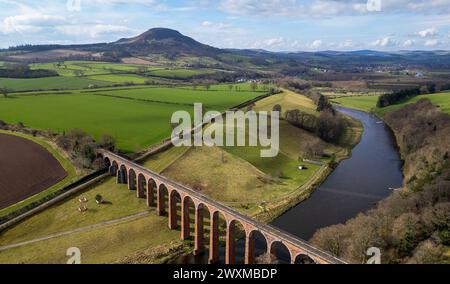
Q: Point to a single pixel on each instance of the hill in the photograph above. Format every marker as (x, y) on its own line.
(163, 41)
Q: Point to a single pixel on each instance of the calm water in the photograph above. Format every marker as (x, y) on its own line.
(355, 186)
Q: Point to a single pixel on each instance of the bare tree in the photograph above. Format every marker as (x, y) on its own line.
(254, 86)
(313, 149)
(141, 70)
(5, 92)
(277, 107)
(266, 258)
(251, 106)
(428, 252)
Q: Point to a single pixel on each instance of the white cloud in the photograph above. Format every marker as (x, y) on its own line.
(283, 44)
(218, 26)
(316, 44)
(431, 42)
(315, 8)
(274, 42)
(408, 43)
(428, 32)
(95, 31)
(384, 42)
(346, 44)
(30, 22)
(116, 2)
(154, 4)
(258, 7)
(207, 24)
(36, 22)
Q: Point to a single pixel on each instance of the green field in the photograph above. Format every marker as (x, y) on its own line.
(50, 83)
(288, 100)
(224, 176)
(119, 78)
(334, 94)
(135, 124)
(179, 73)
(86, 68)
(217, 100)
(106, 244)
(233, 88)
(441, 100)
(364, 103)
(162, 161)
(283, 167)
(120, 202)
(72, 68)
(368, 103)
(82, 74)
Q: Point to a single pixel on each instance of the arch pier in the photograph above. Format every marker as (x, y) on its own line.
(168, 196)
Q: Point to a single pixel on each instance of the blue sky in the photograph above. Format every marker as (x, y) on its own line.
(276, 25)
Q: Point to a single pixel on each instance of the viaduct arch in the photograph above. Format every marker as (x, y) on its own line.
(167, 194)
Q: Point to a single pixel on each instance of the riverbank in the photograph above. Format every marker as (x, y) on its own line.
(281, 205)
(350, 189)
(411, 225)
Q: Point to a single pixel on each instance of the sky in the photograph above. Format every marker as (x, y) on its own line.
(275, 25)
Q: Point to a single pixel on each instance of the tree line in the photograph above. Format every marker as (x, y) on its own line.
(329, 125)
(83, 148)
(402, 95)
(23, 71)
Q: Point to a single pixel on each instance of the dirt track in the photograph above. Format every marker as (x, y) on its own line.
(26, 168)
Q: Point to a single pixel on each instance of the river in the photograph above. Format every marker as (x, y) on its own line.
(355, 186)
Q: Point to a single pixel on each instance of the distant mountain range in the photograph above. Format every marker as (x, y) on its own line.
(172, 44)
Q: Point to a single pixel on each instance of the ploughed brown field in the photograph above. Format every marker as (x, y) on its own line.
(26, 168)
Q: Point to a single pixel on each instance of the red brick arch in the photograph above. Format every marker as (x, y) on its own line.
(152, 189)
(187, 202)
(250, 245)
(140, 177)
(132, 178)
(163, 194)
(141, 186)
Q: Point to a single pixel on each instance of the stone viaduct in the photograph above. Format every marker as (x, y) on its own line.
(156, 189)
